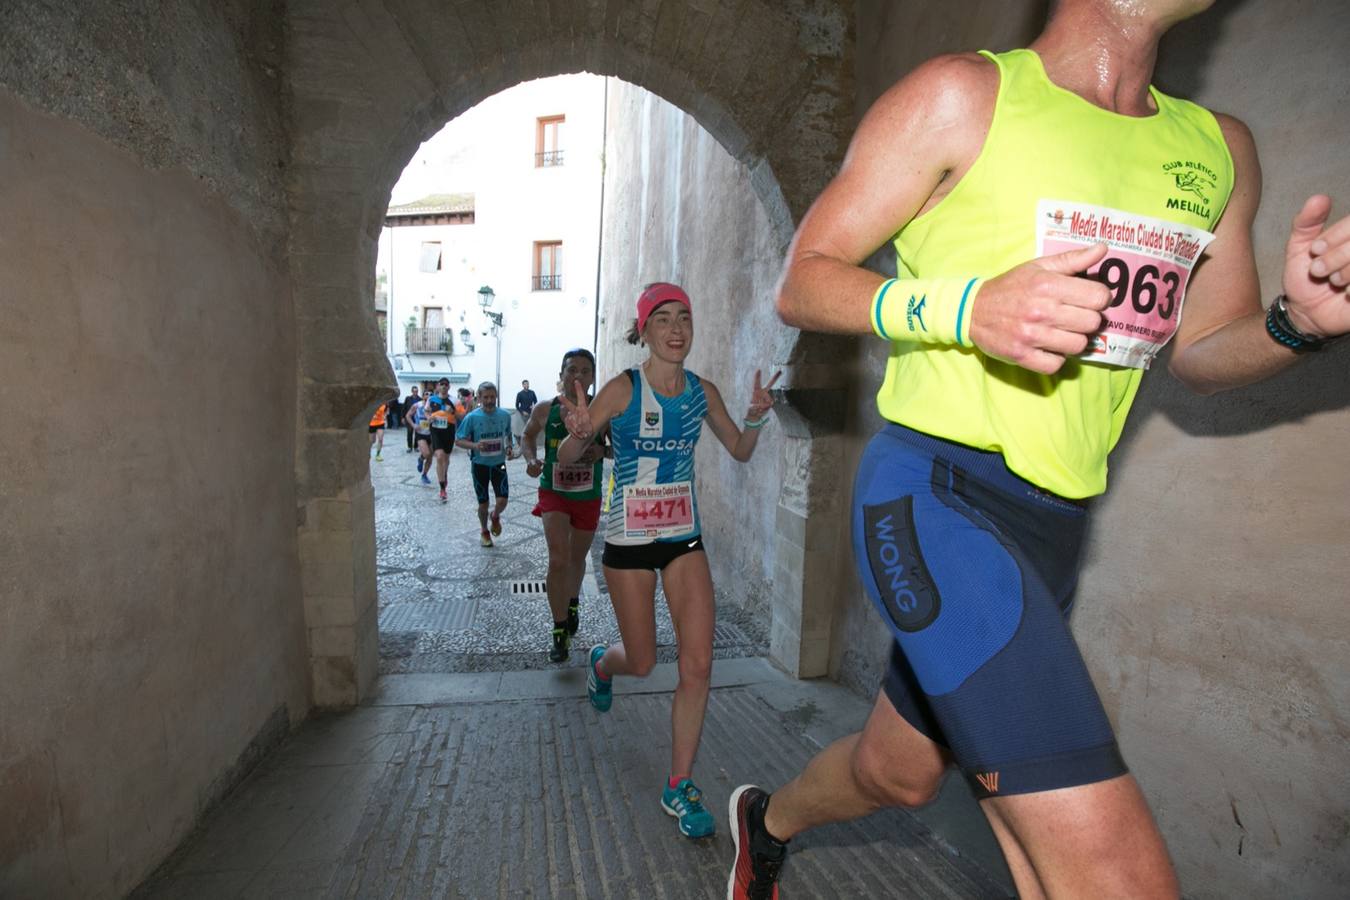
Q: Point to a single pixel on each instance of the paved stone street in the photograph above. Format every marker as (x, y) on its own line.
(510, 785)
(479, 770)
(449, 605)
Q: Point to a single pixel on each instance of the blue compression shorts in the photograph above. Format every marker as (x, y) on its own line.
(973, 569)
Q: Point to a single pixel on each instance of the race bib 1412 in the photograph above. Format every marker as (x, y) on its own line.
(573, 479)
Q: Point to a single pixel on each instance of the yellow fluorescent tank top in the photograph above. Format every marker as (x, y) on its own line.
(1045, 143)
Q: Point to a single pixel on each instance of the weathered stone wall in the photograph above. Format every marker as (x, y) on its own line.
(368, 82)
(151, 645)
(1214, 607)
(679, 208)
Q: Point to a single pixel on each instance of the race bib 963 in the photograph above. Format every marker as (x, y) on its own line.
(1147, 267)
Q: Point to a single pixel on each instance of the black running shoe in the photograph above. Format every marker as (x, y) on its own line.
(562, 645)
(759, 858)
(573, 618)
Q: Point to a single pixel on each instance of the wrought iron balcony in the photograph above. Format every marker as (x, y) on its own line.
(430, 340)
(548, 282)
(548, 158)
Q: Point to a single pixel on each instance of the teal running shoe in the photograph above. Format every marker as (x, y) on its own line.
(685, 803)
(599, 691)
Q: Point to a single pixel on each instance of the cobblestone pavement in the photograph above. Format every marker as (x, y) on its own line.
(449, 605)
(478, 770)
(503, 785)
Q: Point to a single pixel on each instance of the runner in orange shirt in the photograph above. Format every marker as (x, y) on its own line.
(377, 430)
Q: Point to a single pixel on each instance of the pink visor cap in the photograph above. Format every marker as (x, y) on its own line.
(657, 294)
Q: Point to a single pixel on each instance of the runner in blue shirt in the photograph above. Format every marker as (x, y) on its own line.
(486, 433)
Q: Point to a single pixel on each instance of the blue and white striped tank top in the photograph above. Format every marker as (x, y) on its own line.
(651, 496)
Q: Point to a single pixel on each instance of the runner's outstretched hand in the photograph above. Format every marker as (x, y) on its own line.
(1036, 314)
(761, 400)
(1317, 270)
(577, 416)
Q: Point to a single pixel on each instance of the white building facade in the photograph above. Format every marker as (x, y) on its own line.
(508, 197)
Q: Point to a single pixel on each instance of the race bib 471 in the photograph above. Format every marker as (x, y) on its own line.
(1147, 267)
(658, 510)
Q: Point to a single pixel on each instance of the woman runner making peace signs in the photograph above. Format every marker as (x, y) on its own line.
(655, 413)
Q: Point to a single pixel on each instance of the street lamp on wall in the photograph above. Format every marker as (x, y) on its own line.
(464, 340)
(485, 298)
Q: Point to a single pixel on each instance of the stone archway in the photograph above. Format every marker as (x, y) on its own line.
(369, 81)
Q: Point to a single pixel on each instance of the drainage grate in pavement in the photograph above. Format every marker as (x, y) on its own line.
(529, 588)
(726, 635)
(428, 616)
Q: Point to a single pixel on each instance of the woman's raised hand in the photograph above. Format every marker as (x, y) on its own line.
(761, 398)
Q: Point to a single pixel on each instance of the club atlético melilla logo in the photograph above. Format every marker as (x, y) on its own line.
(1194, 179)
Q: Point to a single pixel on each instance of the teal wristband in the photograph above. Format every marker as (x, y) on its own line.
(758, 423)
(925, 310)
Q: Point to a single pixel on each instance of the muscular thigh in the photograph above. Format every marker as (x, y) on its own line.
(972, 572)
(633, 594)
(1089, 840)
(558, 534)
(892, 751)
(689, 595)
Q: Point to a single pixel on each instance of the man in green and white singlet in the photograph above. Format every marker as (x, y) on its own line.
(569, 500)
(1004, 179)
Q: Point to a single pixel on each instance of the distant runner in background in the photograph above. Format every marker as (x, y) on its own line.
(417, 420)
(486, 434)
(377, 431)
(441, 412)
(525, 403)
(409, 402)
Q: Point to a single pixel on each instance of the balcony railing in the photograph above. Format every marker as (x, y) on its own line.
(548, 158)
(548, 282)
(430, 340)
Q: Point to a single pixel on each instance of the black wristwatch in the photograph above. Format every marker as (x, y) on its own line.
(1283, 331)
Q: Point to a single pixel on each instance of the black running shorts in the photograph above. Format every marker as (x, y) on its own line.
(443, 439)
(494, 475)
(655, 556)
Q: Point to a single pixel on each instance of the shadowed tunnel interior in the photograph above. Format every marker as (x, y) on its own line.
(193, 194)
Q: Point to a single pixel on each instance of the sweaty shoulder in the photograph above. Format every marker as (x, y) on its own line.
(930, 125)
(1236, 135)
(955, 92)
(1246, 169)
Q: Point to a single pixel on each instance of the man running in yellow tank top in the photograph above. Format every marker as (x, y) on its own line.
(1009, 379)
